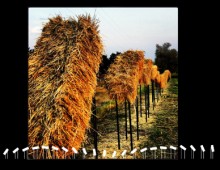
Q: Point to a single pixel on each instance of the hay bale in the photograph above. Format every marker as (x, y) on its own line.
(124, 74)
(154, 72)
(163, 81)
(164, 78)
(146, 78)
(158, 77)
(168, 73)
(62, 81)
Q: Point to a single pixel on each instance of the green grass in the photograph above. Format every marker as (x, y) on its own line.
(174, 86)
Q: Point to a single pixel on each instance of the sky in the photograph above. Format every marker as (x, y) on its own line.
(121, 29)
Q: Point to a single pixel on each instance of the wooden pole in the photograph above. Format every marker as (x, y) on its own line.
(140, 102)
(116, 103)
(148, 100)
(95, 135)
(137, 119)
(145, 101)
(160, 91)
(153, 95)
(157, 91)
(129, 112)
(126, 124)
(158, 88)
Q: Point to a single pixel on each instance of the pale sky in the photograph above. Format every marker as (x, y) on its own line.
(121, 29)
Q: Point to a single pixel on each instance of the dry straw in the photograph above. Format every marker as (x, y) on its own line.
(154, 72)
(124, 74)
(62, 81)
(168, 74)
(164, 78)
(158, 77)
(146, 78)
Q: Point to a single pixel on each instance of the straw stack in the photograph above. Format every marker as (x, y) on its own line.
(168, 74)
(146, 78)
(164, 78)
(154, 72)
(158, 77)
(124, 74)
(62, 81)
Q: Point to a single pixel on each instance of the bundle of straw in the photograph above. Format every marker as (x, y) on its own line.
(163, 81)
(154, 72)
(168, 74)
(158, 77)
(146, 78)
(124, 74)
(62, 82)
(164, 78)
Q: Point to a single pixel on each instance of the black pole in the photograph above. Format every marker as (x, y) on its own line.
(153, 95)
(116, 103)
(140, 102)
(160, 91)
(157, 91)
(94, 118)
(129, 112)
(126, 124)
(148, 100)
(145, 100)
(137, 119)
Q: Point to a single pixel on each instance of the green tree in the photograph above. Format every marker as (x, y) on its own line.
(104, 65)
(113, 56)
(166, 58)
